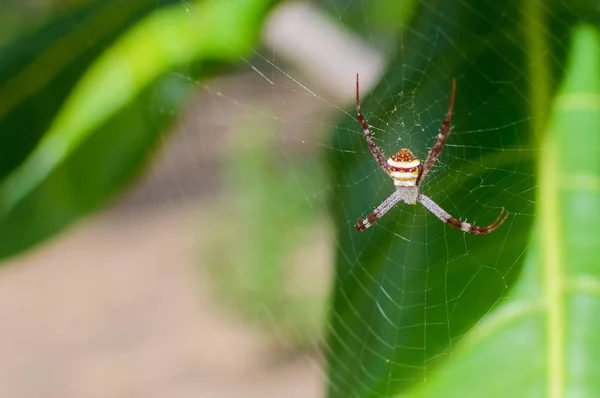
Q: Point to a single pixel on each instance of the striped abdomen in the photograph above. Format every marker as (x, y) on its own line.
(404, 168)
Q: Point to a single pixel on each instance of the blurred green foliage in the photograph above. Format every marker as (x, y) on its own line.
(85, 99)
(380, 22)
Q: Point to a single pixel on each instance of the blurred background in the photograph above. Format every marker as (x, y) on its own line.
(179, 183)
(206, 272)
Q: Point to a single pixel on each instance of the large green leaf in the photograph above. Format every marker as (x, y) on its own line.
(114, 115)
(545, 339)
(408, 289)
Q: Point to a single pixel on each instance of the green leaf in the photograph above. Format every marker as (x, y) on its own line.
(38, 72)
(408, 289)
(544, 340)
(116, 113)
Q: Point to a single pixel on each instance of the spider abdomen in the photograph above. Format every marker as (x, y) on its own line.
(404, 168)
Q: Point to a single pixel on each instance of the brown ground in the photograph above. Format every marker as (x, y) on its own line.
(118, 306)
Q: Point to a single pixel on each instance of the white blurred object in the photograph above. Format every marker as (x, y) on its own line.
(325, 51)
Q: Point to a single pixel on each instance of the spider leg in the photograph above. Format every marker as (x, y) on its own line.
(379, 212)
(377, 153)
(445, 131)
(455, 223)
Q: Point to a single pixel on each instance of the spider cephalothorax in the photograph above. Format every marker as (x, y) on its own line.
(408, 174)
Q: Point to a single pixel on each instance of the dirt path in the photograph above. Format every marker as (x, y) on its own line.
(117, 307)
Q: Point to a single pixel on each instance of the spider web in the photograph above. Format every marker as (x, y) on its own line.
(408, 289)
(405, 291)
(277, 149)
(414, 287)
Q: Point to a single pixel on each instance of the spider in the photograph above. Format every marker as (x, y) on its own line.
(408, 173)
